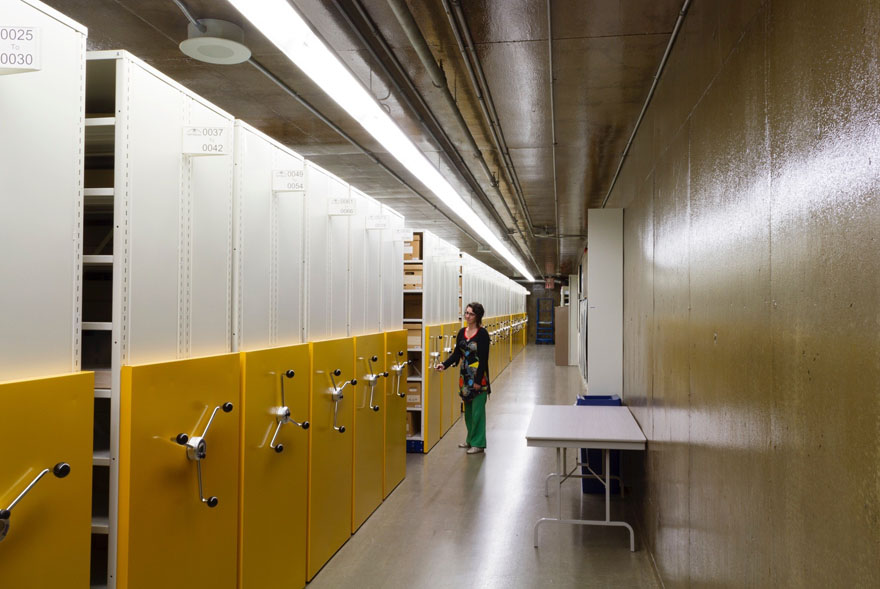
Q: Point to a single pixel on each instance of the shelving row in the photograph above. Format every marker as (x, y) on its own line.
(433, 318)
(158, 236)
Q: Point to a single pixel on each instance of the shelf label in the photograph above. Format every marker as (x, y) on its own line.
(403, 235)
(19, 49)
(342, 207)
(293, 180)
(378, 222)
(201, 140)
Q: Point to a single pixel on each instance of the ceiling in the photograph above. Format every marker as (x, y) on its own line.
(604, 56)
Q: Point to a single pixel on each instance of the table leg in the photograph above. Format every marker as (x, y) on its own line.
(560, 457)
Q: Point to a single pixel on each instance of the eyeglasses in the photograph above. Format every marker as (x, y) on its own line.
(469, 313)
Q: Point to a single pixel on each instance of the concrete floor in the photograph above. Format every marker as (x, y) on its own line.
(466, 521)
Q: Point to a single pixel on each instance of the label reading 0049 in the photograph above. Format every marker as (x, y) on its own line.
(19, 49)
(200, 140)
(293, 180)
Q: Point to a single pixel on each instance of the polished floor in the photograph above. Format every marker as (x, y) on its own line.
(466, 521)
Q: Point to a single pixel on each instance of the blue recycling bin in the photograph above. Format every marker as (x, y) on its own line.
(593, 457)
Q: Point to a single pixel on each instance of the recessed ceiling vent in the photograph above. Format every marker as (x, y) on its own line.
(222, 42)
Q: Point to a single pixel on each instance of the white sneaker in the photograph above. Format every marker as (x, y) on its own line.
(464, 445)
(475, 450)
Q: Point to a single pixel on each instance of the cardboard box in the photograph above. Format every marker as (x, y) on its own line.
(410, 432)
(413, 335)
(414, 395)
(412, 276)
(412, 250)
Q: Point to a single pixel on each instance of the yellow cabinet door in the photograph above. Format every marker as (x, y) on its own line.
(274, 474)
(451, 400)
(330, 450)
(395, 410)
(432, 387)
(169, 533)
(46, 437)
(369, 418)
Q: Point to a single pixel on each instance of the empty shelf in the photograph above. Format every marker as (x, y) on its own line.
(100, 524)
(97, 325)
(98, 196)
(102, 381)
(98, 260)
(101, 458)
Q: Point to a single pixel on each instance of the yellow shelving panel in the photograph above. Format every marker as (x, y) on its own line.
(274, 484)
(47, 422)
(168, 536)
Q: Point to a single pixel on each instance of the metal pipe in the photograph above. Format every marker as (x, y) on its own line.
(422, 107)
(478, 79)
(293, 94)
(202, 28)
(553, 135)
(678, 22)
(438, 78)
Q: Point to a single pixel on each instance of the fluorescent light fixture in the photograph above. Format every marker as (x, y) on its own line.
(288, 31)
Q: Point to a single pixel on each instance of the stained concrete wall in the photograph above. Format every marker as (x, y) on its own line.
(752, 297)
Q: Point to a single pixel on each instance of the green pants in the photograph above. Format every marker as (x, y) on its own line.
(475, 420)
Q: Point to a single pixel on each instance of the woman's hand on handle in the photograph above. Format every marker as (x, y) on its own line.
(439, 367)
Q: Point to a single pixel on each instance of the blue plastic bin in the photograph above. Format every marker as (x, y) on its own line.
(593, 457)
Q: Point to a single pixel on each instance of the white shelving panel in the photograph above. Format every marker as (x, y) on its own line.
(157, 252)
(391, 271)
(41, 199)
(268, 302)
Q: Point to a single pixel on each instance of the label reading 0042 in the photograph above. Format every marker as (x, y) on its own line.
(201, 140)
(19, 49)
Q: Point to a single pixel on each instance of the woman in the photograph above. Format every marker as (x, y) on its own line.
(472, 346)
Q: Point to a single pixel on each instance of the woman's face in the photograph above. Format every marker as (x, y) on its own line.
(470, 317)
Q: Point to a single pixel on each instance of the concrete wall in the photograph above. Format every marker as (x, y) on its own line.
(752, 297)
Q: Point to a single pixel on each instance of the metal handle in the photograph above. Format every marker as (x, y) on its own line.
(398, 369)
(197, 450)
(282, 415)
(372, 379)
(60, 470)
(433, 353)
(336, 395)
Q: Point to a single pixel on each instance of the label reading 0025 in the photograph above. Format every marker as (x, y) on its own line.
(200, 140)
(19, 49)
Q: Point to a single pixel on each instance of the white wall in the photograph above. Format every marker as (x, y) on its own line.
(605, 300)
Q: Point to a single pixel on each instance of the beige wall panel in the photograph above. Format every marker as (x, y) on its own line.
(751, 292)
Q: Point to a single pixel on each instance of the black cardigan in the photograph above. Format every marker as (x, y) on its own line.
(482, 340)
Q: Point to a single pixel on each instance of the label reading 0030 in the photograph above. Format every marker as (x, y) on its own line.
(19, 49)
(200, 140)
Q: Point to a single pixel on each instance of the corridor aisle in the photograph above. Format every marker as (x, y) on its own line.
(466, 521)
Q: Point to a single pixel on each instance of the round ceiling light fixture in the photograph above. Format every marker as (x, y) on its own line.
(222, 42)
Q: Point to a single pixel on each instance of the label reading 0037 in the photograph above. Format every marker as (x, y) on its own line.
(19, 49)
(202, 140)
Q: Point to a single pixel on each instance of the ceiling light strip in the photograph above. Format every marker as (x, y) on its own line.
(288, 31)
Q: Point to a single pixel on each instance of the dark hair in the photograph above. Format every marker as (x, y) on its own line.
(478, 310)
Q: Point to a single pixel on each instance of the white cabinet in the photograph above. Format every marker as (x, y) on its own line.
(41, 197)
(268, 299)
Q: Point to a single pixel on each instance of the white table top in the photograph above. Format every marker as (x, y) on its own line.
(584, 426)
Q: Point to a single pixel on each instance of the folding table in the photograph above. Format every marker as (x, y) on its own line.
(580, 426)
